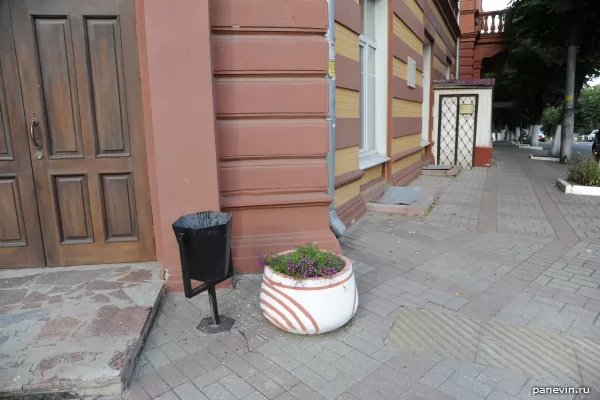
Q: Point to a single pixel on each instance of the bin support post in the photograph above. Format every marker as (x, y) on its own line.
(214, 309)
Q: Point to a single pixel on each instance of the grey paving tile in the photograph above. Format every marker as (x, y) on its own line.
(458, 392)
(171, 375)
(506, 380)
(337, 386)
(310, 377)
(258, 396)
(265, 385)
(142, 366)
(437, 375)
(136, 392)
(153, 384)
(168, 396)
(211, 376)
(500, 395)
(375, 387)
(351, 369)
(471, 384)
(189, 367)
(297, 352)
(188, 391)
(173, 351)
(280, 376)
(241, 367)
(157, 358)
(206, 360)
(284, 360)
(361, 345)
(216, 391)
(257, 360)
(237, 386)
(361, 359)
(470, 369)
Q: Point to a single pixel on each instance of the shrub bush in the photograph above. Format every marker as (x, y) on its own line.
(585, 172)
(304, 262)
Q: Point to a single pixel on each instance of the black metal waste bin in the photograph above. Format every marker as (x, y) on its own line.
(204, 240)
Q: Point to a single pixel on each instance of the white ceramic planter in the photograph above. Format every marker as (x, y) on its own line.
(309, 306)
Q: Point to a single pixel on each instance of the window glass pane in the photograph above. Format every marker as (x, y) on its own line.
(361, 96)
(371, 65)
(371, 112)
(369, 18)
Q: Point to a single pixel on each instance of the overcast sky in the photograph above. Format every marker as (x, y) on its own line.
(493, 5)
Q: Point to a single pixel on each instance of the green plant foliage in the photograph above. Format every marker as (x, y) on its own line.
(588, 108)
(305, 262)
(550, 119)
(585, 172)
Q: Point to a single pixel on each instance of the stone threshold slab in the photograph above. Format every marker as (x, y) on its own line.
(75, 330)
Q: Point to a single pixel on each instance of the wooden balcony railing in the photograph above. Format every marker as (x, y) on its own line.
(490, 22)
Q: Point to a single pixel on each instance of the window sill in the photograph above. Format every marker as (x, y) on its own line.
(372, 160)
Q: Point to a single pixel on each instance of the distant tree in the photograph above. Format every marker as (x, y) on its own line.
(588, 108)
(571, 25)
(550, 119)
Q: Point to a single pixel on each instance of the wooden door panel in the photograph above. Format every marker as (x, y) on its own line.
(20, 238)
(111, 128)
(118, 200)
(12, 227)
(73, 208)
(6, 146)
(59, 87)
(83, 86)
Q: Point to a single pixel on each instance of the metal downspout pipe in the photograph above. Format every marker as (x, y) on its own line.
(457, 76)
(336, 224)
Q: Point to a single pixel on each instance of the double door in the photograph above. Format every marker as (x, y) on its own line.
(457, 129)
(73, 181)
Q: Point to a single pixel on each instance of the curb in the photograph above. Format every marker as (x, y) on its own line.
(579, 190)
(544, 158)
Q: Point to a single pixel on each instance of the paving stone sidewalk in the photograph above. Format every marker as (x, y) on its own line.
(503, 248)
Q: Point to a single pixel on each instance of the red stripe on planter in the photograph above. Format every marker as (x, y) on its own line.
(273, 320)
(266, 291)
(269, 284)
(280, 314)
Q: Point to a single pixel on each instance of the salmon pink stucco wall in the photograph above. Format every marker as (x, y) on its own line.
(177, 90)
(235, 121)
(271, 100)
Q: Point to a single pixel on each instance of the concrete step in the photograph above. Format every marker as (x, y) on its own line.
(74, 331)
(441, 170)
(420, 207)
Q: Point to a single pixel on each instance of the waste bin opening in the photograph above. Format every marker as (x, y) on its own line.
(202, 220)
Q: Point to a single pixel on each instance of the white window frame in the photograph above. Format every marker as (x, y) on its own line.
(375, 153)
(369, 149)
(426, 105)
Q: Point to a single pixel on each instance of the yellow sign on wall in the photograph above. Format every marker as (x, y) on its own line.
(467, 108)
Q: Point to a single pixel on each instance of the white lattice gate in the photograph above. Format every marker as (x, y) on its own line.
(457, 130)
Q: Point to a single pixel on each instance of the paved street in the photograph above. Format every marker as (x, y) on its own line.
(579, 148)
(494, 293)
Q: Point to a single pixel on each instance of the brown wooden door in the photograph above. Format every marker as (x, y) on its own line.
(78, 66)
(20, 238)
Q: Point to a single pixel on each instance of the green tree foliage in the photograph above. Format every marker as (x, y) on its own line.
(534, 75)
(551, 118)
(588, 109)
